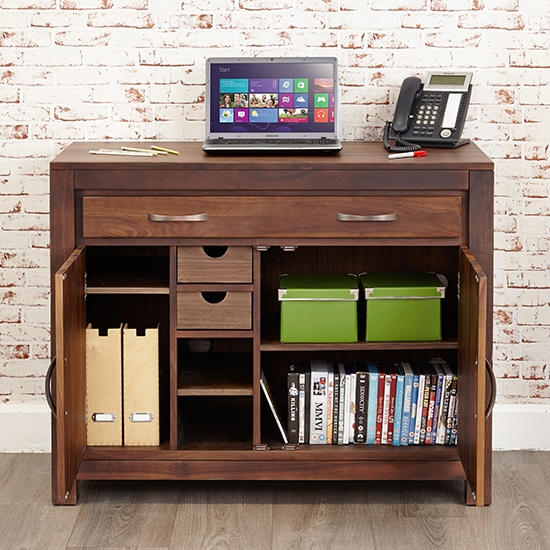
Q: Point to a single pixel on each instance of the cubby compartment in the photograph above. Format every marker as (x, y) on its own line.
(128, 287)
(355, 260)
(127, 269)
(215, 423)
(214, 367)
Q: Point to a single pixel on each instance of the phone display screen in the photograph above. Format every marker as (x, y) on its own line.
(447, 79)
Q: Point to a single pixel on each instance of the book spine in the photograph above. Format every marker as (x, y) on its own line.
(431, 408)
(447, 384)
(414, 406)
(438, 405)
(293, 392)
(361, 407)
(425, 406)
(371, 405)
(380, 406)
(342, 404)
(444, 409)
(399, 393)
(419, 401)
(407, 402)
(336, 407)
(330, 403)
(454, 428)
(391, 414)
(318, 410)
(451, 411)
(304, 411)
(352, 404)
(386, 408)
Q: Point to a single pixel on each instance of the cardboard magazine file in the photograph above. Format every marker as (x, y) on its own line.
(104, 387)
(318, 308)
(403, 307)
(141, 387)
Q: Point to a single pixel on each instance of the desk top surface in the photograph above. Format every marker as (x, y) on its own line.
(354, 156)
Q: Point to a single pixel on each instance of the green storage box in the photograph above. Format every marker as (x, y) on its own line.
(318, 308)
(403, 307)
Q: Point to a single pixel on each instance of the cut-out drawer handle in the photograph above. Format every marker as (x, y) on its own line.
(189, 218)
(375, 218)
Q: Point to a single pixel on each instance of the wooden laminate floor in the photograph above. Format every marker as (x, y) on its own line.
(276, 516)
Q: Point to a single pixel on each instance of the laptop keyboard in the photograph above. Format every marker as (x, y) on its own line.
(276, 142)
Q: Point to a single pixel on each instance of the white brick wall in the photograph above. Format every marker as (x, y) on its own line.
(134, 69)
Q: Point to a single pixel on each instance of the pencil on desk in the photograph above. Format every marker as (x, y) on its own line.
(137, 150)
(122, 153)
(164, 150)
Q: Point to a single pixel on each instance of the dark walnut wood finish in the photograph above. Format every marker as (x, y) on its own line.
(295, 214)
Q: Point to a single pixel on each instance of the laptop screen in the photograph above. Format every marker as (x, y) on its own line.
(271, 97)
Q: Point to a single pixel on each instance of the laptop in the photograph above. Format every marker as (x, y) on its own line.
(272, 104)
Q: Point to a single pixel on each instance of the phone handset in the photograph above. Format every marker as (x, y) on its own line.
(411, 87)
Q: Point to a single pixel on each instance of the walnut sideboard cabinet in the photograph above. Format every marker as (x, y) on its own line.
(195, 244)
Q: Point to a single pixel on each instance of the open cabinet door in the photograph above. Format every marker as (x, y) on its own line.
(472, 324)
(70, 375)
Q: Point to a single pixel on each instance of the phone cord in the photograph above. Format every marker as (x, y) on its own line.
(401, 145)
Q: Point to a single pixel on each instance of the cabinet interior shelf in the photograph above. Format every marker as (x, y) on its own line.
(127, 290)
(276, 451)
(228, 378)
(276, 346)
(128, 275)
(205, 333)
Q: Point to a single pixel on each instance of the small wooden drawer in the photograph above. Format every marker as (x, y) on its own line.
(204, 310)
(214, 264)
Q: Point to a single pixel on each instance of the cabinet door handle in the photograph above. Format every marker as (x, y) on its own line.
(189, 218)
(375, 218)
(493, 395)
(49, 398)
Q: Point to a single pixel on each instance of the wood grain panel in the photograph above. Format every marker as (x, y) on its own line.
(472, 321)
(254, 216)
(70, 388)
(234, 311)
(200, 264)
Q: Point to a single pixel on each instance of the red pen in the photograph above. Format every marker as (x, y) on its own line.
(407, 155)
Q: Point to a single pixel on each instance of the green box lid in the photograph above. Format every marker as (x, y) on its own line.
(318, 287)
(388, 285)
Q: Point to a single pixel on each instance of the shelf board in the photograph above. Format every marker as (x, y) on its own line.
(276, 451)
(128, 275)
(276, 345)
(216, 377)
(205, 333)
(127, 290)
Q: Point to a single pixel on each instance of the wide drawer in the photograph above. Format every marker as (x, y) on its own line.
(273, 216)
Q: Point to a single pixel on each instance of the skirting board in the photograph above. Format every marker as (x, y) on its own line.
(25, 428)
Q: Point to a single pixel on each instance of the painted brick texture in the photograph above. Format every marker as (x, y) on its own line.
(134, 69)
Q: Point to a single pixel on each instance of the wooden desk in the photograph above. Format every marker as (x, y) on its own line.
(125, 230)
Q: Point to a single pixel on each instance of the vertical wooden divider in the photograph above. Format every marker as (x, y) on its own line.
(256, 359)
(174, 431)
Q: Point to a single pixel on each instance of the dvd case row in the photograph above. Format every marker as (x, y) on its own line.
(375, 403)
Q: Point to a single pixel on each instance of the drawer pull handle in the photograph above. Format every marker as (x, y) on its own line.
(189, 218)
(375, 218)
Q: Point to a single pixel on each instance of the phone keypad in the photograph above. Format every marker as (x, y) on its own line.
(428, 115)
